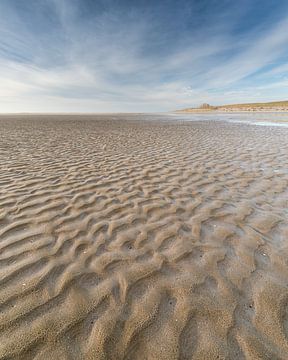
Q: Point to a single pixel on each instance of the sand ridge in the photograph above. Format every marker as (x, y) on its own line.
(130, 239)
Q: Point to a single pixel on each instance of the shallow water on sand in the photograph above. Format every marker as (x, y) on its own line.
(257, 118)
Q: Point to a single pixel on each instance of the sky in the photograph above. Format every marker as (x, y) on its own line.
(140, 56)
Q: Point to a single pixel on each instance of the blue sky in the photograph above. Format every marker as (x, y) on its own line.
(134, 56)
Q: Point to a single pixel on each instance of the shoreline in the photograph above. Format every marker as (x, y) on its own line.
(258, 111)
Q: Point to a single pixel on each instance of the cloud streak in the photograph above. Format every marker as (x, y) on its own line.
(86, 56)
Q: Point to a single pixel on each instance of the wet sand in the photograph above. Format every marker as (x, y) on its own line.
(126, 239)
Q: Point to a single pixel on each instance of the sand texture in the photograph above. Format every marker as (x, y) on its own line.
(125, 239)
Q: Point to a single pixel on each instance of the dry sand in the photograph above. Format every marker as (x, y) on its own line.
(141, 240)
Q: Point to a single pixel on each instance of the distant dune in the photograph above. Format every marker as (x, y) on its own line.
(280, 106)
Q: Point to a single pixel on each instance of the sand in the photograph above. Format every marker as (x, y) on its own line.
(126, 239)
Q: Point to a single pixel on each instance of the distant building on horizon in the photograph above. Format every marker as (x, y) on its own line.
(206, 106)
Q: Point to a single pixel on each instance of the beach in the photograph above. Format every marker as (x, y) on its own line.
(126, 237)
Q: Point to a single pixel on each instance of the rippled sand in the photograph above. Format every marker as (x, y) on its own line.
(125, 239)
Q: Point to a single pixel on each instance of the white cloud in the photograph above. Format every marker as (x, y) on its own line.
(112, 69)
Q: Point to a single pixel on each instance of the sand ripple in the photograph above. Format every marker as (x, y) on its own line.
(140, 240)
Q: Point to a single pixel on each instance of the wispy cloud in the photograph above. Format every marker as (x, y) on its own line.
(72, 55)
